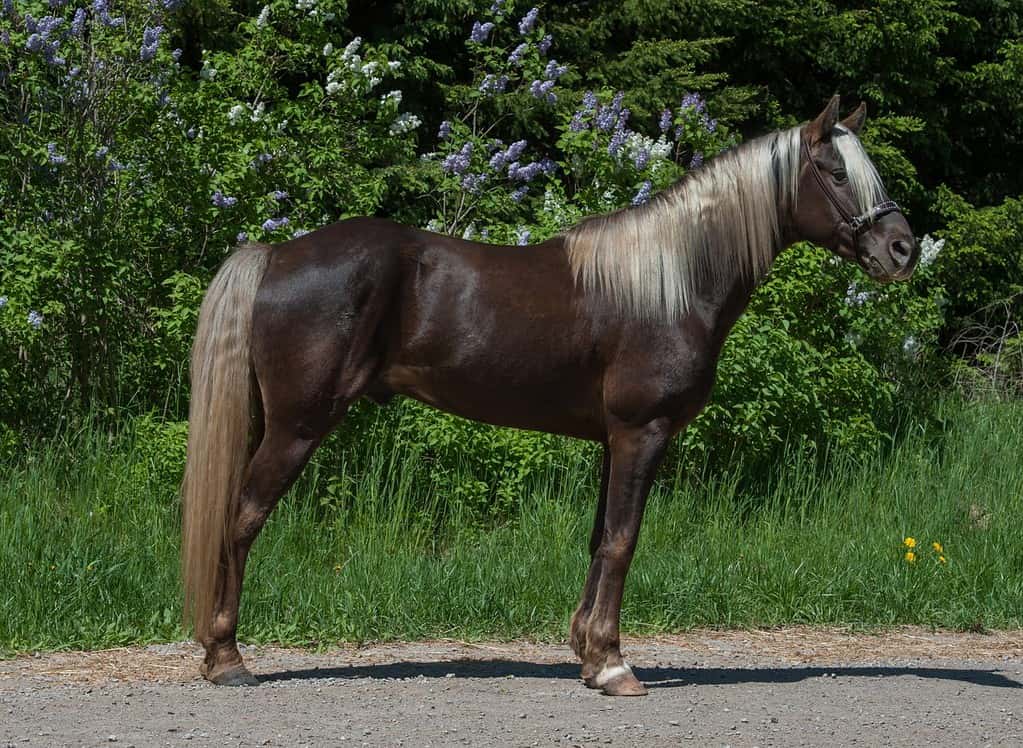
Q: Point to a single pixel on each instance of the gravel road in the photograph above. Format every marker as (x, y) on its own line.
(781, 687)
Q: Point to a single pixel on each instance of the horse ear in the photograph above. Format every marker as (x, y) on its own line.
(821, 128)
(855, 120)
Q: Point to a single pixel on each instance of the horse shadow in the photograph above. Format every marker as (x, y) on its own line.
(652, 677)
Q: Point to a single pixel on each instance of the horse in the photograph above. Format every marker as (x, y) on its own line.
(610, 331)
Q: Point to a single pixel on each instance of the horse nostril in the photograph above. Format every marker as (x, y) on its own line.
(901, 250)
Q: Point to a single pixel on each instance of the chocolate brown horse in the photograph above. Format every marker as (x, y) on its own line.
(609, 332)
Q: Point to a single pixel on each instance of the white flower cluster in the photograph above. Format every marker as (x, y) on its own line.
(404, 123)
(263, 18)
(929, 249)
(239, 110)
(392, 97)
(853, 297)
(637, 143)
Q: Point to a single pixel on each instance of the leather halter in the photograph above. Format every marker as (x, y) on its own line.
(857, 224)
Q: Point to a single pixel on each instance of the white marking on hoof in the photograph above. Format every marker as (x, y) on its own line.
(608, 674)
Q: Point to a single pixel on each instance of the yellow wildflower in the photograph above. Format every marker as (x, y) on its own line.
(910, 557)
(941, 559)
(937, 547)
(909, 542)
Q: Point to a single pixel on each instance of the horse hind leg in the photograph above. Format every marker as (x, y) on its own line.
(274, 467)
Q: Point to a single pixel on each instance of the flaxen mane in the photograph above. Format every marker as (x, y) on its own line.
(648, 258)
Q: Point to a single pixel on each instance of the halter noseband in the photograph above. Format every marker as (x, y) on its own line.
(857, 224)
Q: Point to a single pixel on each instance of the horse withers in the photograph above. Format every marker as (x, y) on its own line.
(610, 331)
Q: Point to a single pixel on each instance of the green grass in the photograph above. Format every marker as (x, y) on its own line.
(88, 548)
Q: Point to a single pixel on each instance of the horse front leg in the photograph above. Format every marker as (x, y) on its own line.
(636, 453)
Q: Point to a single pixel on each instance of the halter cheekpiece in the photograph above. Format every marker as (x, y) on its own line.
(857, 224)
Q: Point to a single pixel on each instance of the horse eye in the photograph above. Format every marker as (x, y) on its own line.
(840, 175)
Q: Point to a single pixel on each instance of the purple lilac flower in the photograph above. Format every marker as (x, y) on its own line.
(529, 21)
(545, 44)
(30, 23)
(641, 159)
(553, 71)
(34, 43)
(696, 161)
(515, 58)
(150, 42)
(55, 158)
(116, 165)
(493, 84)
(458, 163)
(3, 301)
(710, 124)
(473, 182)
(480, 31)
(497, 6)
(176, 54)
(242, 237)
(221, 200)
(693, 101)
(516, 149)
(617, 141)
(279, 195)
(35, 319)
(78, 24)
(644, 193)
(101, 152)
(272, 224)
(608, 115)
(172, 5)
(264, 158)
(666, 120)
(444, 130)
(542, 90)
(589, 101)
(520, 193)
(101, 9)
(5, 38)
(521, 236)
(525, 173)
(577, 124)
(5, 10)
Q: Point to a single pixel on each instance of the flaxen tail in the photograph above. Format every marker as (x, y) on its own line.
(218, 429)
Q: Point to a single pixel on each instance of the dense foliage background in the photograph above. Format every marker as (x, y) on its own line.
(139, 141)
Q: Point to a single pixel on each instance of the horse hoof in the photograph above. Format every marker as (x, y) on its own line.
(619, 681)
(236, 675)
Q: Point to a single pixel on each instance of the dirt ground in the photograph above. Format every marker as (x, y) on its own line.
(787, 687)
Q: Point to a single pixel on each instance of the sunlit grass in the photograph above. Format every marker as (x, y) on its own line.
(89, 533)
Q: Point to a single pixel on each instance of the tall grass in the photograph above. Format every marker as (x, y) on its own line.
(89, 535)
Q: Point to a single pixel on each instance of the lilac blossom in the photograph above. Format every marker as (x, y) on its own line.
(529, 21)
(272, 224)
(693, 101)
(520, 193)
(589, 101)
(473, 182)
(3, 301)
(172, 5)
(644, 193)
(116, 165)
(221, 200)
(101, 152)
(176, 54)
(545, 44)
(35, 319)
(101, 9)
(577, 124)
(78, 24)
(696, 161)
(55, 158)
(542, 90)
(553, 71)
(515, 58)
(641, 159)
(480, 31)
(243, 236)
(493, 84)
(7, 9)
(525, 173)
(497, 6)
(666, 120)
(444, 131)
(458, 163)
(150, 43)
(279, 195)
